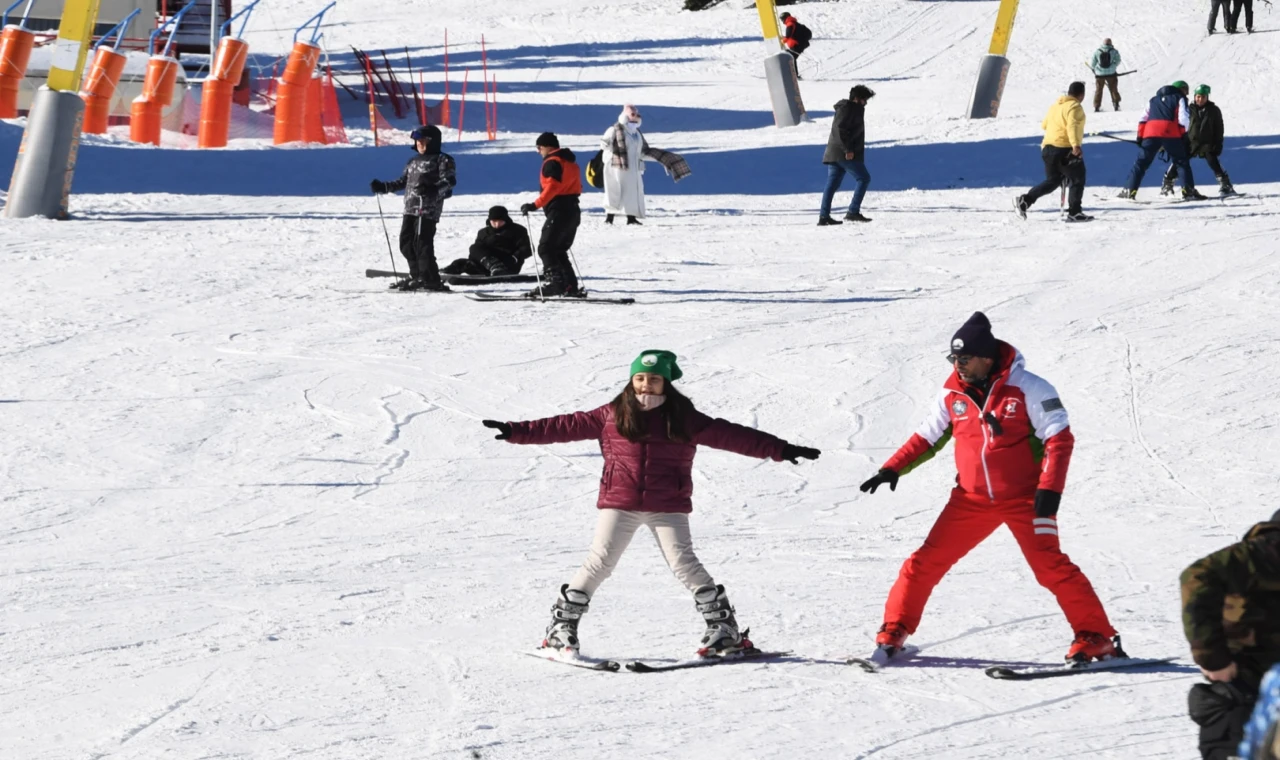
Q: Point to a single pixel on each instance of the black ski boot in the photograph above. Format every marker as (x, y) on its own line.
(562, 633)
(404, 283)
(632, 220)
(722, 636)
(1166, 187)
(429, 277)
(496, 266)
(608, 218)
(1192, 194)
(1224, 185)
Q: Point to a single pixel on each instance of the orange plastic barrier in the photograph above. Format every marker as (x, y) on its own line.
(157, 92)
(215, 101)
(291, 102)
(15, 52)
(312, 114)
(99, 88)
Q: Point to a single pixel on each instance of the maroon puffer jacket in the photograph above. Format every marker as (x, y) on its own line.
(652, 475)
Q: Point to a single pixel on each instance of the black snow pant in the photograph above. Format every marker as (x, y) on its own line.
(1211, 160)
(1221, 710)
(418, 246)
(1248, 14)
(1060, 166)
(558, 234)
(1225, 5)
(491, 261)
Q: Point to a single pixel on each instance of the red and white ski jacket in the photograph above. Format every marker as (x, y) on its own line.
(1018, 441)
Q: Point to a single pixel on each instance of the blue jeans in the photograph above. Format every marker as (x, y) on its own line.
(835, 176)
(1177, 150)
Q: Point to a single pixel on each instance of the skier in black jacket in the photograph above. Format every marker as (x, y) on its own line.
(500, 248)
(1204, 140)
(428, 179)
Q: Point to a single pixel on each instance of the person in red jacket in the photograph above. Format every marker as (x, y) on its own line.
(561, 182)
(796, 40)
(1013, 445)
(648, 435)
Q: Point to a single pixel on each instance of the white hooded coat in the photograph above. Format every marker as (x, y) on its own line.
(624, 188)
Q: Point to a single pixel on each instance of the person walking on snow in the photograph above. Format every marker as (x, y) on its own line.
(1225, 5)
(500, 248)
(623, 151)
(796, 38)
(1248, 16)
(1231, 618)
(561, 185)
(1062, 154)
(428, 179)
(1204, 140)
(1162, 127)
(846, 154)
(648, 435)
(1013, 445)
(1105, 64)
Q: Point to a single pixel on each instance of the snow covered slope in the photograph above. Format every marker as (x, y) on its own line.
(250, 513)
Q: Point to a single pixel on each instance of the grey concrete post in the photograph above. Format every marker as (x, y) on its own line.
(41, 182)
(989, 88)
(784, 90)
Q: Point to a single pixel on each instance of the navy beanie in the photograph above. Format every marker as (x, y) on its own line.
(1276, 517)
(975, 339)
(548, 140)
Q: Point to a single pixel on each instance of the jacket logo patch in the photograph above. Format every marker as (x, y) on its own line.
(1051, 404)
(959, 407)
(1011, 407)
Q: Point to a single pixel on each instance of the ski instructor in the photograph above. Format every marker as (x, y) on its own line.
(1013, 445)
(561, 182)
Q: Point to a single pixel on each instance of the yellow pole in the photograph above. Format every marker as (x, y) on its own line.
(768, 19)
(70, 49)
(1004, 27)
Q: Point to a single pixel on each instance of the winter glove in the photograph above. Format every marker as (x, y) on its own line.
(378, 187)
(884, 476)
(1047, 502)
(794, 454)
(528, 208)
(503, 428)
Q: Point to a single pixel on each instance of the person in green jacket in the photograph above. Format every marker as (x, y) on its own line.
(1204, 140)
(1231, 617)
(1105, 64)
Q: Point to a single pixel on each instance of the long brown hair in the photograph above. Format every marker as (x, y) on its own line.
(628, 415)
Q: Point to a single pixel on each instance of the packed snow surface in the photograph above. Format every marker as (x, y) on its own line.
(250, 511)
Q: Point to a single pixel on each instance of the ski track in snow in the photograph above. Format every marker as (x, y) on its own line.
(248, 516)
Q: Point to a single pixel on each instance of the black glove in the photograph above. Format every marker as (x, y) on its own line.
(528, 208)
(378, 187)
(884, 476)
(794, 454)
(503, 428)
(1047, 502)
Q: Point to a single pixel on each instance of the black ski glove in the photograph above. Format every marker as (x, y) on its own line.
(794, 454)
(884, 476)
(1047, 502)
(528, 208)
(378, 187)
(503, 428)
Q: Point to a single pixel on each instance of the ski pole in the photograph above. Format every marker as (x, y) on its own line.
(390, 253)
(534, 249)
(1113, 137)
(577, 271)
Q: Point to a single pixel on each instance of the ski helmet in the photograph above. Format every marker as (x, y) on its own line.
(1179, 85)
(1202, 90)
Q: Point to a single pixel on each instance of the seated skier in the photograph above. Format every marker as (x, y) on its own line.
(500, 248)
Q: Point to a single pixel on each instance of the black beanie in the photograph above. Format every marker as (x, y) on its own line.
(1276, 517)
(499, 212)
(548, 140)
(975, 339)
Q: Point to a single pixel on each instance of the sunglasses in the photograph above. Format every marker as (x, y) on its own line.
(961, 359)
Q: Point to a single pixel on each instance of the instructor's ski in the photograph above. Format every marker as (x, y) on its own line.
(574, 660)
(880, 658)
(482, 295)
(636, 666)
(1004, 673)
(461, 279)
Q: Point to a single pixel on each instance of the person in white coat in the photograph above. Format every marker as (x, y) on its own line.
(623, 159)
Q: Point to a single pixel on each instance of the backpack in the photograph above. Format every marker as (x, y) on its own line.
(1104, 59)
(595, 170)
(802, 35)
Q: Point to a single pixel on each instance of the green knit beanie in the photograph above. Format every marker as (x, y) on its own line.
(659, 363)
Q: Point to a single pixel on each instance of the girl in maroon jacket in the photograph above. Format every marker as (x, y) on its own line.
(648, 436)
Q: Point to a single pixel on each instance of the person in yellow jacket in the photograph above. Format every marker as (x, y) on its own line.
(1063, 156)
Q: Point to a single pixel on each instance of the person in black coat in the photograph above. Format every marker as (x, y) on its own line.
(845, 154)
(1204, 140)
(428, 179)
(500, 248)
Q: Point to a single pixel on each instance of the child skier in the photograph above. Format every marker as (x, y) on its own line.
(1204, 140)
(428, 179)
(648, 435)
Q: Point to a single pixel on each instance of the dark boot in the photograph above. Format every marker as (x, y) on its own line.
(722, 635)
(562, 633)
(404, 284)
(1224, 185)
(495, 266)
(632, 220)
(608, 218)
(429, 275)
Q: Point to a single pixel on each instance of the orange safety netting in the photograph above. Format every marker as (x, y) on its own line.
(383, 132)
(335, 131)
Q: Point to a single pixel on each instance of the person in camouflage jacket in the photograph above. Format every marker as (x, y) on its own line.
(428, 179)
(1231, 617)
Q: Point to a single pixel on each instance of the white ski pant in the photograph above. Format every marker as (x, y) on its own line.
(614, 530)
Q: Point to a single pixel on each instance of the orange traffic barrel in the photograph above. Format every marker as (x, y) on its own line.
(99, 88)
(15, 52)
(162, 74)
(292, 97)
(312, 113)
(228, 65)
(215, 113)
(145, 121)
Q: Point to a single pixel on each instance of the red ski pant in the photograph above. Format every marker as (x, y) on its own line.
(965, 522)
